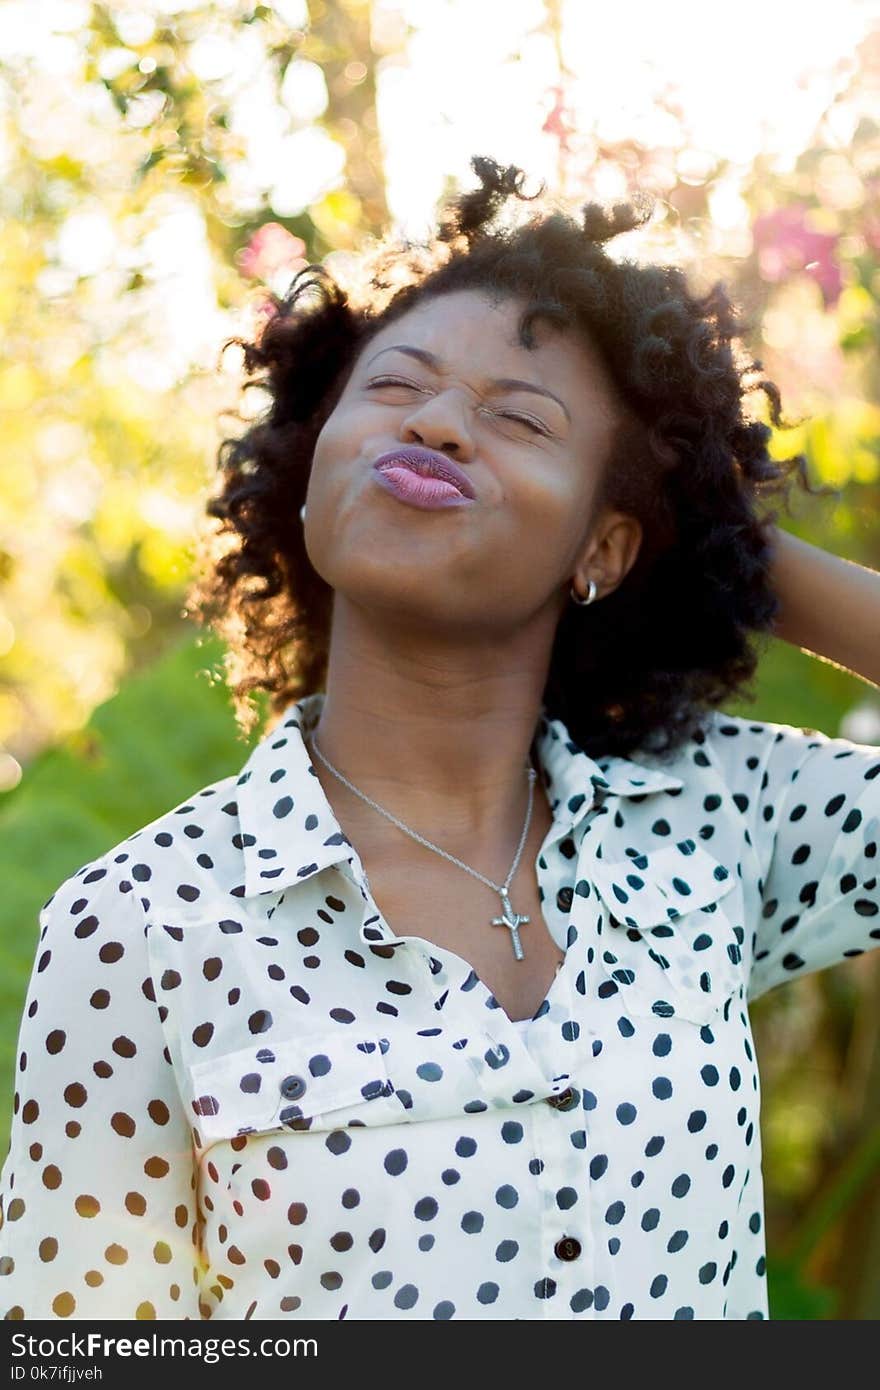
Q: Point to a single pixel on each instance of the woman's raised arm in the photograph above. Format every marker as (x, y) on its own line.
(830, 606)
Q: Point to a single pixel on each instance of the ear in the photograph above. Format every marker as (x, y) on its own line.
(610, 553)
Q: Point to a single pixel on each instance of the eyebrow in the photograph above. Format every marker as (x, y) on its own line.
(502, 383)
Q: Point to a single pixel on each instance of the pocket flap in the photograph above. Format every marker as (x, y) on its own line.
(287, 1084)
(672, 948)
(650, 890)
(330, 1080)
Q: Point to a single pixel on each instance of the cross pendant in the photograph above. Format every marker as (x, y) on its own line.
(512, 920)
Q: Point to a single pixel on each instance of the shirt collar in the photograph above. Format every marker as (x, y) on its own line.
(288, 830)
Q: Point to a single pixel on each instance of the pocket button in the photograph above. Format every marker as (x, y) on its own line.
(292, 1087)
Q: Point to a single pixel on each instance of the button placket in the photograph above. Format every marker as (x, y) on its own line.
(566, 1266)
(439, 973)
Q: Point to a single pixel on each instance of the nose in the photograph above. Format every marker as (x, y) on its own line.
(439, 423)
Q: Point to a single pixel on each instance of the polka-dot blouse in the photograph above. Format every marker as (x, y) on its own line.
(240, 1095)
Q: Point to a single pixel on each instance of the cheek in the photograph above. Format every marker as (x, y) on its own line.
(546, 501)
(569, 496)
(549, 521)
(344, 448)
(332, 466)
(331, 442)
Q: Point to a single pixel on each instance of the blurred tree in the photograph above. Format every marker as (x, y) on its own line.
(148, 154)
(339, 40)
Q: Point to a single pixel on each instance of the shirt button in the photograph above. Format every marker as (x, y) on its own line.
(565, 1100)
(293, 1087)
(567, 1248)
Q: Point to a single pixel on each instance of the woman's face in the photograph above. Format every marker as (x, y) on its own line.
(533, 454)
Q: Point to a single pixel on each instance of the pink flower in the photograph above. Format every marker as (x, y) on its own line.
(556, 123)
(786, 245)
(272, 248)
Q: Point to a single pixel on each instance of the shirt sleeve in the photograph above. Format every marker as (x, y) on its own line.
(97, 1191)
(816, 831)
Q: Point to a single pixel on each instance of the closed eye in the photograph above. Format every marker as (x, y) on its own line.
(391, 381)
(524, 419)
(534, 425)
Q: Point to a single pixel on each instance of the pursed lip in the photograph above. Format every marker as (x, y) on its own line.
(429, 464)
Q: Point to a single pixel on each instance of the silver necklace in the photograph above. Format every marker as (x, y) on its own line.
(510, 919)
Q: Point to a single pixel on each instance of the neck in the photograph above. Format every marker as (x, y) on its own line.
(436, 733)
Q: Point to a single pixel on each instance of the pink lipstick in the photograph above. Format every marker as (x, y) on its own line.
(423, 478)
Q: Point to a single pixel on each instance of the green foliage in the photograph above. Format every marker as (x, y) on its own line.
(794, 688)
(132, 185)
(792, 1298)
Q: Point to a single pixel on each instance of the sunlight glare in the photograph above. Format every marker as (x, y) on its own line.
(86, 242)
(757, 76)
(304, 91)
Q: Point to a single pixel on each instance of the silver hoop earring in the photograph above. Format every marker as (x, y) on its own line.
(302, 512)
(588, 598)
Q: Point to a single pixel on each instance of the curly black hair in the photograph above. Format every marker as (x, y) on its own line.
(678, 634)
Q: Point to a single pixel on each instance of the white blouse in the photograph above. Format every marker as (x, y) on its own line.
(240, 1095)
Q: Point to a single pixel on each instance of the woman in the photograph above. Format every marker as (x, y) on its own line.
(438, 1007)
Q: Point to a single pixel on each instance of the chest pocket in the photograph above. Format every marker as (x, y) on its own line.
(669, 940)
(326, 1081)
